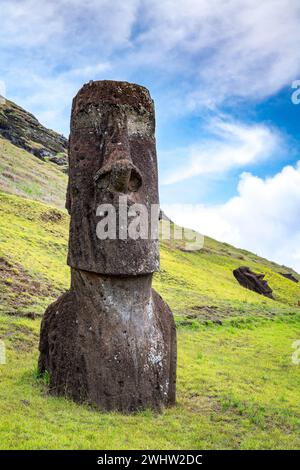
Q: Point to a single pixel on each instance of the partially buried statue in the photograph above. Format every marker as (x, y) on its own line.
(253, 281)
(111, 340)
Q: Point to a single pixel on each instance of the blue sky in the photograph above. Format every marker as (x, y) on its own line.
(220, 72)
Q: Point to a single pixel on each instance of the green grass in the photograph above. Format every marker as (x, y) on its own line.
(25, 175)
(32, 255)
(237, 385)
(237, 389)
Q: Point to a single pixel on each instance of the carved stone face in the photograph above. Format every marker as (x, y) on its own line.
(112, 154)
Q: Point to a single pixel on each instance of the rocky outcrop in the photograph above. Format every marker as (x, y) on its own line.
(25, 131)
(289, 276)
(253, 281)
(111, 339)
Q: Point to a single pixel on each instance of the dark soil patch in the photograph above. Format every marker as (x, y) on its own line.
(19, 338)
(52, 215)
(207, 313)
(30, 315)
(18, 289)
(19, 281)
(206, 308)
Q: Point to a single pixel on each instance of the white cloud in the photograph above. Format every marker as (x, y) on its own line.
(29, 23)
(231, 145)
(53, 95)
(242, 48)
(203, 52)
(70, 23)
(263, 217)
(89, 70)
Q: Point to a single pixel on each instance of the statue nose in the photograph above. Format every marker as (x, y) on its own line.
(118, 173)
(119, 176)
(125, 177)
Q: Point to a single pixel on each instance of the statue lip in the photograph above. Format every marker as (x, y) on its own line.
(120, 176)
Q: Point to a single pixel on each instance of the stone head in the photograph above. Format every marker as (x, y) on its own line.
(112, 158)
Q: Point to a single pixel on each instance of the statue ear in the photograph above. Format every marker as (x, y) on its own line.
(68, 198)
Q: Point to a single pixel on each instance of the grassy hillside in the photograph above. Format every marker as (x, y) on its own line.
(24, 174)
(199, 286)
(237, 385)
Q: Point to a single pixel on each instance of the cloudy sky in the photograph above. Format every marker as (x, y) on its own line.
(221, 73)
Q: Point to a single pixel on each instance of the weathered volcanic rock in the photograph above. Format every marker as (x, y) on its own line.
(289, 276)
(112, 154)
(253, 281)
(111, 340)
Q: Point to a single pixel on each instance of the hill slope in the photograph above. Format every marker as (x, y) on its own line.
(24, 130)
(23, 174)
(199, 286)
(237, 385)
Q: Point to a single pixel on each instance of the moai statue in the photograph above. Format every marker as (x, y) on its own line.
(111, 339)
